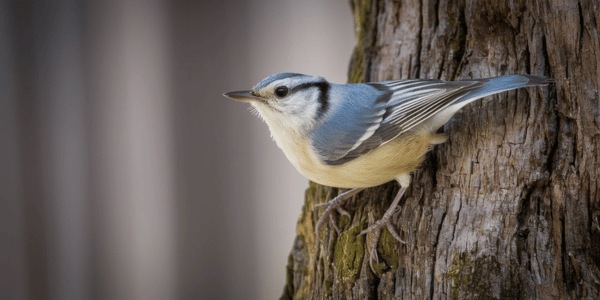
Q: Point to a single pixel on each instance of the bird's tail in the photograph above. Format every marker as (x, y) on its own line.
(500, 84)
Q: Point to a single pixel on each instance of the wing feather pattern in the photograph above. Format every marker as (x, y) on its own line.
(359, 123)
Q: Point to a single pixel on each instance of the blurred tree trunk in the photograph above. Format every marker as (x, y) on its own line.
(509, 207)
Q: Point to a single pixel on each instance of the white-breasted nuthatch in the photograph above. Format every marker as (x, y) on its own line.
(363, 135)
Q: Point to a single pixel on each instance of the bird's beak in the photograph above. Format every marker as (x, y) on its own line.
(244, 96)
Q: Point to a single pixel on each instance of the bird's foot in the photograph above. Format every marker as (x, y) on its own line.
(375, 231)
(377, 226)
(332, 205)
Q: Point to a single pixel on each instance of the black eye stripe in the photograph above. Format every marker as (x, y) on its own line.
(318, 84)
(323, 87)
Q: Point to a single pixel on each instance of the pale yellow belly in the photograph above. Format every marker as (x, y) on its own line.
(400, 156)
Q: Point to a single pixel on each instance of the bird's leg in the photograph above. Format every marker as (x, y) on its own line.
(385, 221)
(334, 204)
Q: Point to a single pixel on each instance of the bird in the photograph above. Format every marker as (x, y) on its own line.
(360, 135)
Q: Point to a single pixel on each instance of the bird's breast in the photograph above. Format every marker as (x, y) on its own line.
(383, 164)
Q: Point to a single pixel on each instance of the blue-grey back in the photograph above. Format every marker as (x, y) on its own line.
(354, 110)
(364, 116)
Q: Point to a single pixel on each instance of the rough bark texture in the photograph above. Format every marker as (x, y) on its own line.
(509, 207)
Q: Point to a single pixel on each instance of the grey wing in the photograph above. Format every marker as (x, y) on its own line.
(400, 107)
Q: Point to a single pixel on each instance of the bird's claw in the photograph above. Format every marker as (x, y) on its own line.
(328, 214)
(378, 226)
(375, 229)
(332, 205)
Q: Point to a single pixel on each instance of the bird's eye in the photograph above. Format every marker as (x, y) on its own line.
(281, 91)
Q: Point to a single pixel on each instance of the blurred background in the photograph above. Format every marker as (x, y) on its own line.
(124, 172)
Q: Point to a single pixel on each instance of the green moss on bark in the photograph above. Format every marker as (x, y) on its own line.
(349, 253)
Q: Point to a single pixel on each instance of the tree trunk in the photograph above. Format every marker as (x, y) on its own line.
(509, 207)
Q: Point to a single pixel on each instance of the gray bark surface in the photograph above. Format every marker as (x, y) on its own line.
(509, 207)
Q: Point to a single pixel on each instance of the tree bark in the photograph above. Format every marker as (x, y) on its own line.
(509, 207)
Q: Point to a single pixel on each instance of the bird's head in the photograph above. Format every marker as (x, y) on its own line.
(288, 99)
